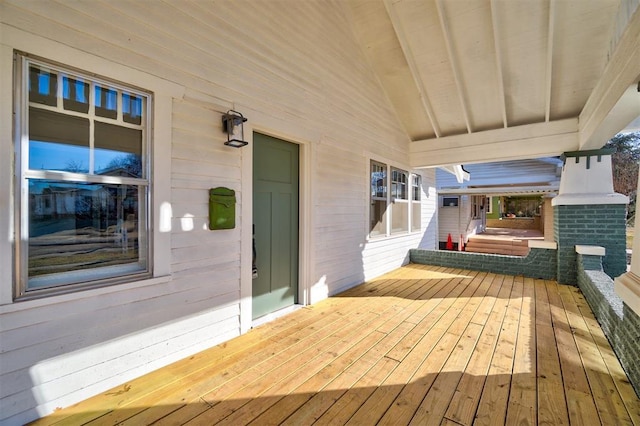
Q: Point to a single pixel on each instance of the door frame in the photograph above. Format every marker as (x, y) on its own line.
(246, 219)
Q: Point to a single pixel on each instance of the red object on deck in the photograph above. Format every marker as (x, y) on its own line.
(461, 243)
(449, 245)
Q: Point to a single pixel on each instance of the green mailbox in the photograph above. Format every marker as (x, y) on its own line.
(222, 208)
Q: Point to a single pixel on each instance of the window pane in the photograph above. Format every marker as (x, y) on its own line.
(118, 150)
(58, 141)
(416, 214)
(106, 102)
(378, 218)
(132, 107)
(378, 180)
(415, 195)
(43, 86)
(398, 184)
(75, 94)
(399, 217)
(450, 201)
(81, 226)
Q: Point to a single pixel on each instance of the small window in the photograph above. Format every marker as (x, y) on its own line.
(450, 201)
(84, 215)
(416, 204)
(378, 210)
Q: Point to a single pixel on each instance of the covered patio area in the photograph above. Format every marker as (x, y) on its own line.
(421, 345)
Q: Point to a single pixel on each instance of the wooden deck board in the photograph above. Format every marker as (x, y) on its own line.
(522, 407)
(552, 407)
(422, 345)
(582, 408)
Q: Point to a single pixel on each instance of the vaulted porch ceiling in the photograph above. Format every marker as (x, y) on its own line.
(478, 80)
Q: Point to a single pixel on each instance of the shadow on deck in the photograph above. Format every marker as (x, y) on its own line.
(422, 344)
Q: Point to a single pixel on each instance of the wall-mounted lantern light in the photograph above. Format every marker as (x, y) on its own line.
(230, 121)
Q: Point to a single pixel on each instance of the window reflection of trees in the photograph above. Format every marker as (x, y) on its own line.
(78, 226)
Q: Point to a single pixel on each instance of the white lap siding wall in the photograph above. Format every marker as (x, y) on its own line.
(296, 72)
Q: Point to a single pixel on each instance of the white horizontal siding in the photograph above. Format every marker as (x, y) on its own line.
(304, 78)
(454, 220)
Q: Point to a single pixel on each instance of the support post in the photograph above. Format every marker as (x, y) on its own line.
(627, 285)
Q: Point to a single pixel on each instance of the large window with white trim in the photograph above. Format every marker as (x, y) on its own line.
(395, 205)
(83, 179)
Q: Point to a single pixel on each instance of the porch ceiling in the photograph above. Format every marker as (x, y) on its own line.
(477, 80)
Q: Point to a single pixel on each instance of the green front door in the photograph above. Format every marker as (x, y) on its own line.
(275, 219)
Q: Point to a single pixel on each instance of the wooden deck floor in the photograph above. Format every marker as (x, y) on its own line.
(421, 345)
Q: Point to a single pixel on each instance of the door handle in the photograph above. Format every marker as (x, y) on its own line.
(254, 267)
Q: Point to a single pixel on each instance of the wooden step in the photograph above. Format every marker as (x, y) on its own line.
(495, 246)
(513, 242)
(499, 250)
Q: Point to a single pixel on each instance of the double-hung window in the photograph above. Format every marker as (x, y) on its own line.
(399, 201)
(395, 205)
(83, 179)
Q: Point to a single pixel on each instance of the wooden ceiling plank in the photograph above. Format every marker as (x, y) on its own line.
(496, 42)
(410, 58)
(549, 75)
(454, 64)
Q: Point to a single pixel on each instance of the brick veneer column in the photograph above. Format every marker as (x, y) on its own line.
(588, 211)
(598, 224)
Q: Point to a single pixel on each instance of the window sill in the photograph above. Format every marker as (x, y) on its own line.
(21, 305)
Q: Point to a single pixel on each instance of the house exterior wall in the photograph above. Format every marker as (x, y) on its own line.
(495, 208)
(454, 220)
(267, 63)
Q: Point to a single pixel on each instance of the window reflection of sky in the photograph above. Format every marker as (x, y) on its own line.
(44, 80)
(63, 157)
(79, 93)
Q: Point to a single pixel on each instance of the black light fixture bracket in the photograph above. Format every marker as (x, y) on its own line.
(230, 121)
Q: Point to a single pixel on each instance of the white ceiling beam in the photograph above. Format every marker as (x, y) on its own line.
(623, 112)
(457, 170)
(526, 131)
(519, 142)
(544, 146)
(454, 65)
(496, 43)
(600, 118)
(413, 67)
(549, 73)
